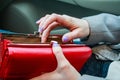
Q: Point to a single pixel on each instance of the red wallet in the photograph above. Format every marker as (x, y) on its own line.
(22, 56)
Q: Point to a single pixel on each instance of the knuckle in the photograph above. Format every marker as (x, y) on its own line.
(54, 15)
(64, 66)
(47, 15)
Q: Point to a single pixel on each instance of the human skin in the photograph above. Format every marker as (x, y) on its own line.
(64, 70)
(79, 28)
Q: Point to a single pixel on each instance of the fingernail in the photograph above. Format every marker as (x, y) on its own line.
(65, 39)
(40, 29)
(37, 21)
(55, 43)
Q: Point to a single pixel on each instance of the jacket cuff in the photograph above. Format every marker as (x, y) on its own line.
(102, 29)
(96, 29)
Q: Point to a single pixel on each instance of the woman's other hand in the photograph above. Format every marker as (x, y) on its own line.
(79, 28)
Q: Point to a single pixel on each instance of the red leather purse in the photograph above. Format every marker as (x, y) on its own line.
(23, 56)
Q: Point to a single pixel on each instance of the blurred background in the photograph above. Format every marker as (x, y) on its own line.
(20, 15)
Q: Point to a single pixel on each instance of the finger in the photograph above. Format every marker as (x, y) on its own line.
(39, 29)
(61, 60)
(46, 32)
(38, 21)
(71, 35)
(42, 22)
(57, 18)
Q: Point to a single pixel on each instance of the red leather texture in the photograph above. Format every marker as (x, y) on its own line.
(25, 61)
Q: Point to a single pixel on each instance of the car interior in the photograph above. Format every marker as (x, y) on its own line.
(20, 15)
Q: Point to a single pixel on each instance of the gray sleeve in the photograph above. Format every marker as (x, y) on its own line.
(104, 28)
(87, 77)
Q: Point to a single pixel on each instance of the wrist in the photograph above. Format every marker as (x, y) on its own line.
(85, 38)
(86, 30)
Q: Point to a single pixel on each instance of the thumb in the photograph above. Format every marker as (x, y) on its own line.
(57, 50)
(71, 35)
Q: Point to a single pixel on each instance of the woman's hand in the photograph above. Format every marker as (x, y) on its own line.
(64, 70)
(79, 28)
